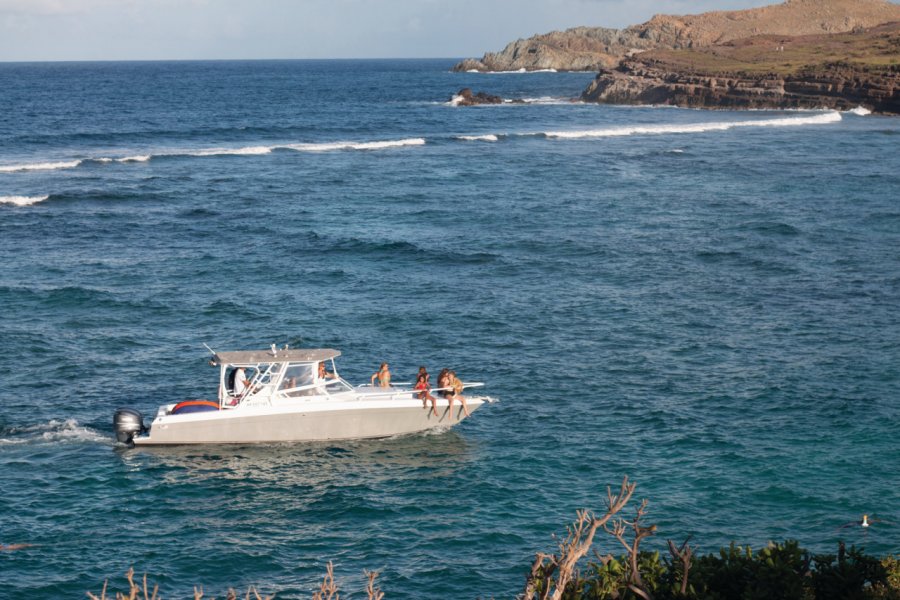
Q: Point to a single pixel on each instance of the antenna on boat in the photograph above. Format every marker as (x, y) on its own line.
(210, 349)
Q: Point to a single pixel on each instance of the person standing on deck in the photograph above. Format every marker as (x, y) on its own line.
(240, 382)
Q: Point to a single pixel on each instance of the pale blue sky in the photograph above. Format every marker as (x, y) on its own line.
(230, 29)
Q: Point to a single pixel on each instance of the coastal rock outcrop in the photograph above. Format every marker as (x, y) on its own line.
(765, 72)
(465, 97)
(595, 48)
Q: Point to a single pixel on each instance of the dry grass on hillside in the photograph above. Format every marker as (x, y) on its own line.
(875, 48)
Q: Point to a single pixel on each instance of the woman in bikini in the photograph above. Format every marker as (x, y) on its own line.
(423, 389)
(383, 376)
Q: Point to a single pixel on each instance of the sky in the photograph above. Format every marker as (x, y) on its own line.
(55, 30)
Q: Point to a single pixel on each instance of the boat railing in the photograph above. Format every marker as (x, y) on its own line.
(409, 392)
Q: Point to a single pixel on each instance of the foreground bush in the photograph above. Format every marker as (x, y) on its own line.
(779, 571)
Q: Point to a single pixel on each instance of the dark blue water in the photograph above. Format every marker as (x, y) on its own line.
(708, 302)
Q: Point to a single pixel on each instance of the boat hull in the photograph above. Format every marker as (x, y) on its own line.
(312, 422)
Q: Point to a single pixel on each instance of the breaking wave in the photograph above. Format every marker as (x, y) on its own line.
(490, 137)
(42, 166)
(620, 131)
(246, 151)
(243, 151)
(516, 71)
(22, 200)
(550, 100)
(327, 146)
(820, 119)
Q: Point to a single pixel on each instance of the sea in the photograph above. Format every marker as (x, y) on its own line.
(706, 302)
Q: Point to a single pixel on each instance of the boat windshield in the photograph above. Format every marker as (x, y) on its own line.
(298, 381)
(310, 379)
(265, 381)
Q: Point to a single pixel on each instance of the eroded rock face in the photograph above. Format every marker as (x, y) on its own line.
(836, 86)
(578, 49)
(596, 48)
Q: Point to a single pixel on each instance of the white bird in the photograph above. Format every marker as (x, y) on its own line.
(866, 521)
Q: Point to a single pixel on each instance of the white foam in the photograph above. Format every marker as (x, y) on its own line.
(518, 71)
(330, 146)
(820, 119)
(456, 100)
(138, 158)
(490, 137)
(243, 151)
(44, 166)
(68, 430)
(246, 151)
(861, 111)
(22, 200)
(550, 100)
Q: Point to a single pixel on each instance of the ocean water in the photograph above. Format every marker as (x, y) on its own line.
(708, 302)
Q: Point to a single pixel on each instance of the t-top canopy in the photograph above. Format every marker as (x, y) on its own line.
(250, 357)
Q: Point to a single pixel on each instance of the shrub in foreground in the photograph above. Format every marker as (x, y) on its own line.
(779, 571)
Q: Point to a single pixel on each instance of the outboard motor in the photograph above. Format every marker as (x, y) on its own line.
(128, 423)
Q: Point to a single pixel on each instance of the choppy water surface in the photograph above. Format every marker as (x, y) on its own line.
(706, 301)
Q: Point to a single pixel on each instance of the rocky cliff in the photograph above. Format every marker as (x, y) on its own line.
(840, 71)
(595, 48)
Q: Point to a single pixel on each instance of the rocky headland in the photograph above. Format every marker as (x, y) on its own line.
(838, 71)
(596, 48)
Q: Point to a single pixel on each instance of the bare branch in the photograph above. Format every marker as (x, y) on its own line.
(578, 542)
(373, 592)
(102, 594)
(685, 554)
(328, 590)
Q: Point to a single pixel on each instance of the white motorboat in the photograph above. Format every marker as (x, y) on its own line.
(290, 395)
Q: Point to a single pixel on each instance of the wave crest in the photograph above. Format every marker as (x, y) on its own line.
(22, 200)
(490, 137)
(242, 151)
(820, 119)
(378, 145)
(42, 166)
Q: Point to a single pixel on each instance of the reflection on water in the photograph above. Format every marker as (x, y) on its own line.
(319, 464)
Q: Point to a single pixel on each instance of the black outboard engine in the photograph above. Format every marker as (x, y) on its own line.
(128, 423)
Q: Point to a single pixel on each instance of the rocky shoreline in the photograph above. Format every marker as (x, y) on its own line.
(723, 77)
(835, 87)
(596, 48)
(832, 54)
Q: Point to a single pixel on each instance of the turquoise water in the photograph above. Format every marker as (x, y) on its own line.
(705, 301)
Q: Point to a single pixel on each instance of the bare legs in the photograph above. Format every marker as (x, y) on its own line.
(425, 396)
(462, 400)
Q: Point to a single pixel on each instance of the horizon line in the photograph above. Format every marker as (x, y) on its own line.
(146, 60)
